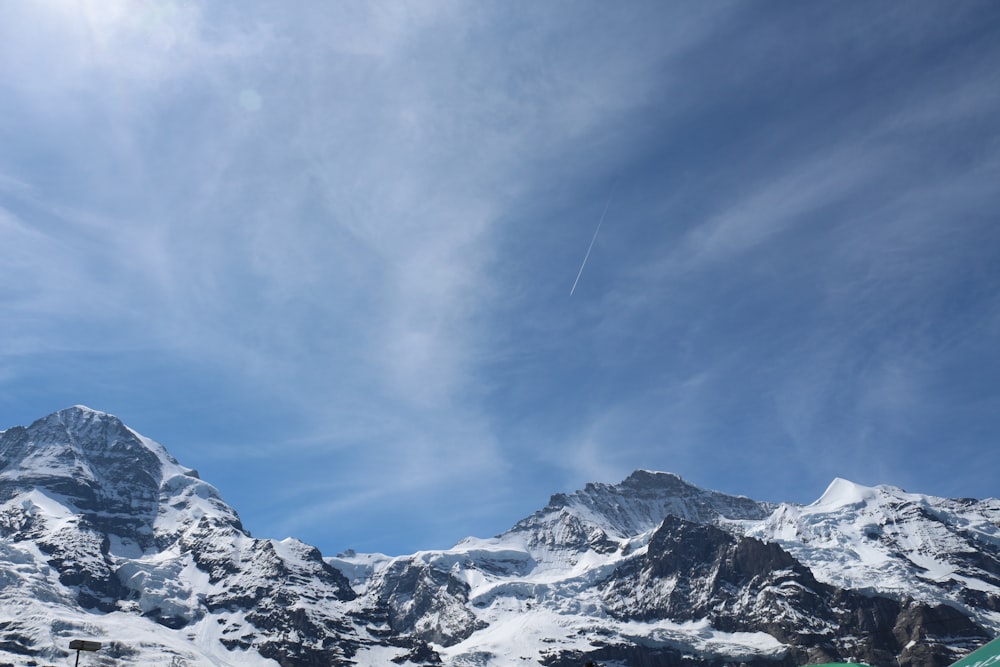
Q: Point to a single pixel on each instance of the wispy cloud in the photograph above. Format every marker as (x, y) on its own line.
(343, 229)
(782, 200)
(820, 295)
(333, 245)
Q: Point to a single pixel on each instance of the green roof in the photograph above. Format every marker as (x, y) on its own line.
(982, 657)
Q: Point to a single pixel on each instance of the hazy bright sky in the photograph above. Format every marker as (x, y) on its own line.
(323, 251)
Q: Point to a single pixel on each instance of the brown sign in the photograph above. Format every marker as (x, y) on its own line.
(81, 645)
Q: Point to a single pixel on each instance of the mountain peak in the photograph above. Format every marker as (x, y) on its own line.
(87, 431)
(83, 409)
(88, 444)
(101, 467)
(634, 506)
(98, 524)
(842, 493)
(77, 416)
(75, 413)
(652, 478)
(845, 493)
(103, 519)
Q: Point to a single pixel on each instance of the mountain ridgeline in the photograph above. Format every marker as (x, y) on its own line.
(105, 536)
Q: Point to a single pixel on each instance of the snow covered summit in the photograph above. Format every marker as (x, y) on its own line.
(635, 506)
(104, 535)
(654, 570)
(94, 465)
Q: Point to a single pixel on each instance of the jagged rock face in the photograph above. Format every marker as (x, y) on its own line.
(92, 460)
(101, 528)
(934, 635)
(600, 514)
(558, 528)
(85, 455)
(691, 571)
(741, 572)
(741, 584)
(904, 544)
(426, 602)
(124, 528)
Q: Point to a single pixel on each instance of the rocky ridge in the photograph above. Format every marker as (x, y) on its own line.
(101, 527)
(656, 571)
(104, 535)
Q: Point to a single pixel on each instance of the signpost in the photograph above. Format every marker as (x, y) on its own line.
(82, 645)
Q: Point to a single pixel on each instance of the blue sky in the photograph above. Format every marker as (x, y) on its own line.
(324, 254)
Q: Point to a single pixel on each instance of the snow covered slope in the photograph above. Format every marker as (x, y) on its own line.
(104, 536)
(653, 569)
(902, 544)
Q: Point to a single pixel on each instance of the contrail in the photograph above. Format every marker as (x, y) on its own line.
(587, 256)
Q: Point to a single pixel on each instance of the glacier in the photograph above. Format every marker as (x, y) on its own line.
(105, 536)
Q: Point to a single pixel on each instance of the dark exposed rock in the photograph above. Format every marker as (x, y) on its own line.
(650, 549)
(636, 505)
(116, 486)
(637, 655)
(741, 584)
(427, 603)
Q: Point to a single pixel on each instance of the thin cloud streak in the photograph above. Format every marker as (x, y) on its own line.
(357, 273)
(591, 246)
(389, 322)
(845, 388)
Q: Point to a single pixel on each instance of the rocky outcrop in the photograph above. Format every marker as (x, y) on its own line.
(101, 528)
(741, 584)
(124, 527)
(425, 602)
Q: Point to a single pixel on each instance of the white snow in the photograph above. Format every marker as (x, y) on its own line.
(536, 594)
(524, 635)
(842, 493)
(870, 538)
(536, 588)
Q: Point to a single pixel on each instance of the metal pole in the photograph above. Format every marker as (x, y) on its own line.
(77, 658)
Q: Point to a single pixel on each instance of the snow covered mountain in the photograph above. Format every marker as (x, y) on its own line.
(104, 536)
(655, 571)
